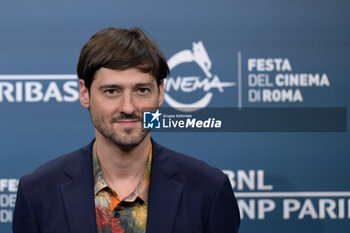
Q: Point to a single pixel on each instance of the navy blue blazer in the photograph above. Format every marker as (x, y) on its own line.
(185, 196)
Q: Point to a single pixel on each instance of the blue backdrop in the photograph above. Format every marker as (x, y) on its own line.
(260, 53)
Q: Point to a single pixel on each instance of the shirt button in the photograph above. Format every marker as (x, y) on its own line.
(116, 214)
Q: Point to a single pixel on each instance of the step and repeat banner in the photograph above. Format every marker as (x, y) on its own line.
(259, 89)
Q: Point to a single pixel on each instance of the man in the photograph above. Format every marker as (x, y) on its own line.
(123, 181)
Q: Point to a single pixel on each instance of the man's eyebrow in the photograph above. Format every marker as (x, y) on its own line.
(142, 84)
(109, 86)
(116, 86)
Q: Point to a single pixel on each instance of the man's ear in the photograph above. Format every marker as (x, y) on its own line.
(161, 93)
(84, 94)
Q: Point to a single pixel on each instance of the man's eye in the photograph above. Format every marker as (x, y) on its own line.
(111, 92)
(143, 90)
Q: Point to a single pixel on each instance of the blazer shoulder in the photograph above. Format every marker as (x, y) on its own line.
(191, 168)
(54, 170)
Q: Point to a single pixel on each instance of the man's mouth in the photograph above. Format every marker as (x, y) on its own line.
(128, 122)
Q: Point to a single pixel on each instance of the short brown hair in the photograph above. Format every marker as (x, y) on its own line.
(120, 49)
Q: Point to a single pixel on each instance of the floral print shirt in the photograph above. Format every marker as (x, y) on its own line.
(120, 216)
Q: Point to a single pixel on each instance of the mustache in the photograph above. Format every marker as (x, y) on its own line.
(123, 116)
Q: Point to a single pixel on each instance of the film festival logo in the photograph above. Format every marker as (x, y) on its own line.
(188, 84)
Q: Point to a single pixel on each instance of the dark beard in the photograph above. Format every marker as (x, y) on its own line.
(124, 142)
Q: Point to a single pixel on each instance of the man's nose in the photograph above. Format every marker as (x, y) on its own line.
(127, 104)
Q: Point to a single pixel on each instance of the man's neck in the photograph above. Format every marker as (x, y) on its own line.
(122, 167)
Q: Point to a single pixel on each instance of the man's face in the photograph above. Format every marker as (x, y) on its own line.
(116, 101)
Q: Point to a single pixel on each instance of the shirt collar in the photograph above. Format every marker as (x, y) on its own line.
(140, 191)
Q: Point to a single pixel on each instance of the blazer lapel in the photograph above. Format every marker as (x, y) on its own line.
(164, 193)
(78, 194)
